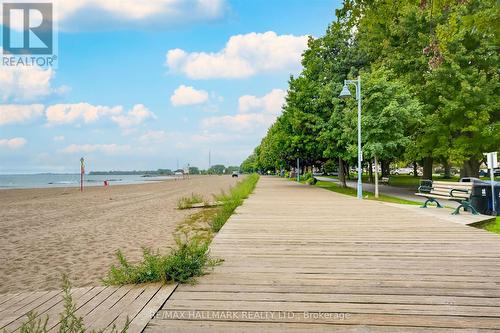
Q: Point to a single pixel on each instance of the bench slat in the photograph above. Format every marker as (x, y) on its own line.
(447, 193)
(436, 196)
(452, 185)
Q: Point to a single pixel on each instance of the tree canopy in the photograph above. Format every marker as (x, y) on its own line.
(430, 89)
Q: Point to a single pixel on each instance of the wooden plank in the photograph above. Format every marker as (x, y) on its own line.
(33, 306)
(389, 270)
(102, 308)
(5, 297)
(333, 318)
(20, 299)
(132, 310)
(81, 296)
(186, 326)
(336, 298)
(140, 321)
(107, 317)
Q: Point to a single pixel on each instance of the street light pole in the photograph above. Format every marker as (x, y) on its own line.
(344, 94)
(298, 169)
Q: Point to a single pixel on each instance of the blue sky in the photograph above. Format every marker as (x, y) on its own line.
(151, 83)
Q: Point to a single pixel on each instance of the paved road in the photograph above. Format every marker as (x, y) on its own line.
(299, 258)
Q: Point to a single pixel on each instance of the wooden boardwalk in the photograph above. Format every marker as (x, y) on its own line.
(299, 258)
(100, 307)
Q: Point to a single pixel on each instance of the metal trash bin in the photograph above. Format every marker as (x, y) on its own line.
(481, 197)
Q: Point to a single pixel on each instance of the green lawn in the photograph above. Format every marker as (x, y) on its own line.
(367, 195)
(410, 181)
(493, 227)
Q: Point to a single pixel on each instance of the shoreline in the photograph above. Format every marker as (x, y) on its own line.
(113, 181)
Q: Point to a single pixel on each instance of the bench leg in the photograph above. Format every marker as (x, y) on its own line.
(431, 200)
(465, 205)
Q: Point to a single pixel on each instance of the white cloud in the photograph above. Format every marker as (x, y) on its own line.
(60, 114)
(136, 116)
(58, 138)
(242, 56)
(14, 113)
(186, 95)
(269, 103)
(255, 114)
(72, 113)
(90, 148)
(14, 143)
(25, 84)
(114, 14)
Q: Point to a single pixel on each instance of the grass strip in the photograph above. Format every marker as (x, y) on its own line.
(232, 200)
(493, 226)
(367, 195)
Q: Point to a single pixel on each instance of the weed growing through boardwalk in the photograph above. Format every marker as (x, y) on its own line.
(188, 202)
(69, 321)
(187, 260)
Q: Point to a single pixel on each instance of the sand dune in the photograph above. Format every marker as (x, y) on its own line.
(47, 232)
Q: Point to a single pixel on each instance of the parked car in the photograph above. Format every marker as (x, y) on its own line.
(486, 172)
(469, 180)
(402, 171)
(234, 174)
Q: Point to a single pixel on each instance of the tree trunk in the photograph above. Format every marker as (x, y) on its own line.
(376, 176)
(470, 168)
(370, 171)
(447, 170)
(415, 169)
(385, 168)
(428, 168)
(342, 173)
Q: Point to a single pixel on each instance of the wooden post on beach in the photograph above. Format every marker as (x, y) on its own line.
(82, 172)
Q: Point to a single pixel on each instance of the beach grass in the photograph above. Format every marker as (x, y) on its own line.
(188, 202)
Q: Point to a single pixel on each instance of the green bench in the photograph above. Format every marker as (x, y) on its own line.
(458, 192)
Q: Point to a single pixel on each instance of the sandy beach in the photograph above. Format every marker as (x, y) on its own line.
(48, 232)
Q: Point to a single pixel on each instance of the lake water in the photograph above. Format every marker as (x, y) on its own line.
(70, 180)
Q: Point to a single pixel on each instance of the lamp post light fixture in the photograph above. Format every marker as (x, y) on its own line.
(345, 93)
